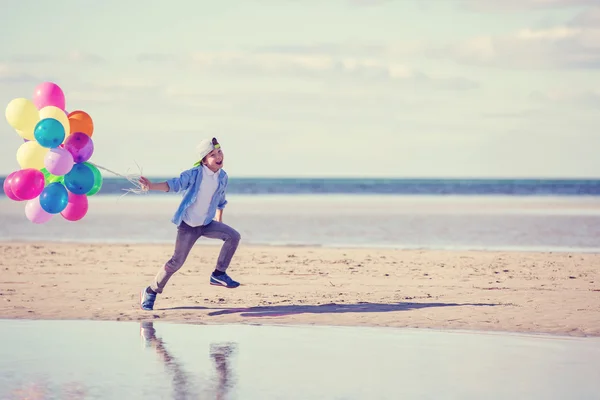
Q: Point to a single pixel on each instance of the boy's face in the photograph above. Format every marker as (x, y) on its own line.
(214, 160)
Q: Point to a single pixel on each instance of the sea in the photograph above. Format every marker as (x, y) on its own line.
(448, 214)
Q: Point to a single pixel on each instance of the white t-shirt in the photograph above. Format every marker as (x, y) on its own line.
(196, 214)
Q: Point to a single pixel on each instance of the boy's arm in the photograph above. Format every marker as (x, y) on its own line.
(223, 199)
(174, 185)
(160, 186)
(222, 203)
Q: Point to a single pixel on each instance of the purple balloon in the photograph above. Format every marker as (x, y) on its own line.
(80, 146)
(58, 161)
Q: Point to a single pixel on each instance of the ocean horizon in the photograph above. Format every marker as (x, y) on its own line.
(395, 186)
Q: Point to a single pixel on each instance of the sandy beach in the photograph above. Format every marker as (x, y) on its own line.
(557, 293)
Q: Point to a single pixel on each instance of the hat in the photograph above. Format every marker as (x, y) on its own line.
(205, 147)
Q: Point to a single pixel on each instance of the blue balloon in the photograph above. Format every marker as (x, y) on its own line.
(80, 179)
(49, 133)
(54, 198)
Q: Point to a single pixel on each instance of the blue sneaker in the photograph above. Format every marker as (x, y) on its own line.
(147, 300)
(223, 280)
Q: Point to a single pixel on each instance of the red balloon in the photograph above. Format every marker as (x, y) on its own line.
(8, 187)
(28, 183)
(77, 207)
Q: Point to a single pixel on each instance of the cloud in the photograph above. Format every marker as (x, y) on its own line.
(519, 114)
(10, 75)
(575, 44)
(334, 63)
(577, 98)
(73, 56)
(113, 92)
(367, 3)
(589, 18)
(522, 5)
(390, 50)
(157, 58)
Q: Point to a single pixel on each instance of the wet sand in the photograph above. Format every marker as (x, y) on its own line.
(556, 293)
(154, 360)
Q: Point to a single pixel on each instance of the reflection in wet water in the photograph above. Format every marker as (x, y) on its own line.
(104, 360)
(182, 382)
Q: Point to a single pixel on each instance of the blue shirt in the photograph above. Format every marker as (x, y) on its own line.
(189, 183)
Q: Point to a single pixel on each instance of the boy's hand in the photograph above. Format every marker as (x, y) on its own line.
(145, 182)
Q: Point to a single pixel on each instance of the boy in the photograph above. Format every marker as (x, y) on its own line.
(199, 214)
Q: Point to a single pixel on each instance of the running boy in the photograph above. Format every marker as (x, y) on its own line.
(199, 214)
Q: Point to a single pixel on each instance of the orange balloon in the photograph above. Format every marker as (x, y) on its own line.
(81, 122)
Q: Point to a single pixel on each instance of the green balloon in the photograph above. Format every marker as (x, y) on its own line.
(97, 180)
(52, 178)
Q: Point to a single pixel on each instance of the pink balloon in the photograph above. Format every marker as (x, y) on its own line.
(8, 187)
(48, 94)
(28, 183)
(59, 161)
(35, 213)
(80, 145)
(77, 207)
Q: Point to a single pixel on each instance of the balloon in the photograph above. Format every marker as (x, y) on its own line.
(80, 146)
(81, 122)
(80, 180)
(77, 207)
(31, 155)
(35, 213)
(58, 161)
(97, 180)
(8, 189)
(48, 94)
(57, 114)
(27, 183)
(54, 198)
(49, 133)
(50, 178)
(22, 115)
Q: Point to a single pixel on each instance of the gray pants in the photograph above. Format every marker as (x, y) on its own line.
(186, 238)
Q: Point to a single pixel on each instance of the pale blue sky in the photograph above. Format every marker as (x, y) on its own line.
(406, 88)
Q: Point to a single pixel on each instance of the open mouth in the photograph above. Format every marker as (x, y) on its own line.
(219, 162)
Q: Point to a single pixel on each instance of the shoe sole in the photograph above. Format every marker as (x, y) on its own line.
(227, 287)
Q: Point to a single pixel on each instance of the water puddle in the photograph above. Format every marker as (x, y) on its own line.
(131, 360)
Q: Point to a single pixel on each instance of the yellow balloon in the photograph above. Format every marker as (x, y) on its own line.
(27, 134)
(57, 114)
(22, 115)
(31, 155)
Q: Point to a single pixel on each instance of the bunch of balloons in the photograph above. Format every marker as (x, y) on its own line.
(56, 176)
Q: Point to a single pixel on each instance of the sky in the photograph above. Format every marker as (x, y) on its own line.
(307, 88)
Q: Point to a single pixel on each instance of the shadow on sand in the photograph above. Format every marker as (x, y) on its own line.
(332, 308)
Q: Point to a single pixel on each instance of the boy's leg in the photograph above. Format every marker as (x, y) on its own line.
(186, 238)
(231, 239)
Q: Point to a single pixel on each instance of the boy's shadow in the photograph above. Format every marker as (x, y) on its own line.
(332, 308)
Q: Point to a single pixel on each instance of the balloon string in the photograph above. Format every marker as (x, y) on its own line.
(132, 178)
